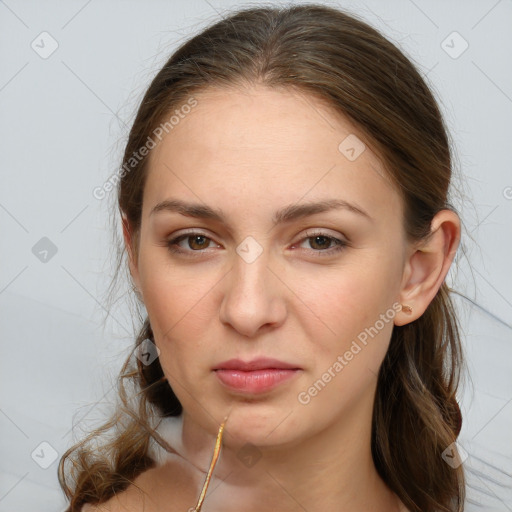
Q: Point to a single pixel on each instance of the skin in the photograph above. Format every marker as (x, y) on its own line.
(250, 152)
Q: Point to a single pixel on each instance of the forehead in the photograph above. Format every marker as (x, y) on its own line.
(255, 146)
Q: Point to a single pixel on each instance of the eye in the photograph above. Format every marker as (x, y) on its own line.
(194, 242)
(324, 244)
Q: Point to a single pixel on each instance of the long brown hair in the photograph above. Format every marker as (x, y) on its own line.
(324, 52)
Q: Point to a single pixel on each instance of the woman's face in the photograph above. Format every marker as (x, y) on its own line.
(247, 268)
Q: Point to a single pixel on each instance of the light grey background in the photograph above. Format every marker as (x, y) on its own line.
(62, 125)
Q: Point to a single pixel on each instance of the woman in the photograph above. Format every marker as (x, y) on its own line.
(284, 199)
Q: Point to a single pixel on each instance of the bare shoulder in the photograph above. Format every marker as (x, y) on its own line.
(95, 508)
(172, 484)
(124, 501)
(136, 497)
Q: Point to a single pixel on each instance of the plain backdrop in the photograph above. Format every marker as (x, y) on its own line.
(71, 76)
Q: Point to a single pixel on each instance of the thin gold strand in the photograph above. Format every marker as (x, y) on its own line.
(216, 452)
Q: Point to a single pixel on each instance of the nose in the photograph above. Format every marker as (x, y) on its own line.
(253, 297)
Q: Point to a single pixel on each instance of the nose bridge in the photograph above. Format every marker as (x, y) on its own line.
(251, 297)
(249, 276)
(249, 286)
(250, 266)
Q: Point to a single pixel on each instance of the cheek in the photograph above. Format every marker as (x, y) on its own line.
(183, 309)
(344, 301)
(345, 366)
(172, 295)
(351, 317)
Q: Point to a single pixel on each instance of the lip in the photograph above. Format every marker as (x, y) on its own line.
(261, 363)
(256, 376)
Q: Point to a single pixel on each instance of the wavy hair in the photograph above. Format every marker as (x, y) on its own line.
(337, 57)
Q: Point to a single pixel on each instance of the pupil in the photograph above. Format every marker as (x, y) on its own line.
(321, 238)
(199, 240)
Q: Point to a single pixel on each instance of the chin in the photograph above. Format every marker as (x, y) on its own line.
(262, 424)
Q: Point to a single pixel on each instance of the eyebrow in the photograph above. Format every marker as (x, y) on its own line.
(287, 214)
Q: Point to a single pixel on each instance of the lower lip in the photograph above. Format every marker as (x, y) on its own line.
(255, 381)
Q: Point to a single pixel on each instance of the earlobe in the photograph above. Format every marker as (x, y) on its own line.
(428, 264)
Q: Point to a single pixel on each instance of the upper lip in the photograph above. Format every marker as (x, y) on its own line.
(261, 363)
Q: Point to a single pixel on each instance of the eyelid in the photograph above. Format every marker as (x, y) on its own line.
(175, 239)
(339, 243)
(311, 232)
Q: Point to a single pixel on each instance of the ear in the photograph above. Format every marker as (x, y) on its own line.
(427, 265)
(131, 250)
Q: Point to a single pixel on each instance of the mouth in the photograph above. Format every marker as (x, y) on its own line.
(256, 376)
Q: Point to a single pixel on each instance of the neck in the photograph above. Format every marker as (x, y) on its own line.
(308, 474)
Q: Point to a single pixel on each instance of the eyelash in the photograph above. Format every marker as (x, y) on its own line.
(339, 244)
